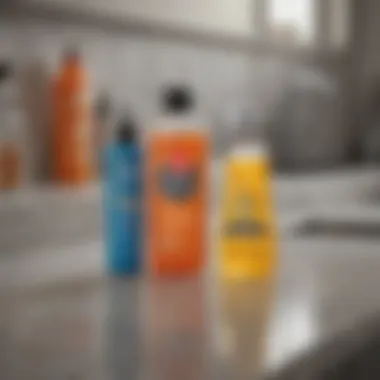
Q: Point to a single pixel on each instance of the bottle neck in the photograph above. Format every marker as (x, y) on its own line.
(180, 121)
(249, 149)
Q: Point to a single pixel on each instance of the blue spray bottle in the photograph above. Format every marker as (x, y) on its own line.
(122, 201)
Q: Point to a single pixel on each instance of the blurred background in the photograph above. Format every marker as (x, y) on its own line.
(301, 74)
(304, 75)
(309, 65)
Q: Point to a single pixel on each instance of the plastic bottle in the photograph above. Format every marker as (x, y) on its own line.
(12, 131)
(10, 155)
(177, 186)
(248, 243)
(73, 156)
(103, 111)
(122, 201)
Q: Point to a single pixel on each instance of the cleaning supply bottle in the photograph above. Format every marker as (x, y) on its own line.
(177, 176)
(122, 201)
(73, 157)
(248, 243)
(102, 111)
(12, 131)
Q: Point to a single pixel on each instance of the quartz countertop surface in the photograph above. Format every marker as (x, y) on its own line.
(62, 318)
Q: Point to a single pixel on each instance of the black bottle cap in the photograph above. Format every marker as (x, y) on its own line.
(126, 131)
(6, 71)
(177, 99)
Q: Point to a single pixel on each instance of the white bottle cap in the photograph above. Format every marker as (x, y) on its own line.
(249, 150)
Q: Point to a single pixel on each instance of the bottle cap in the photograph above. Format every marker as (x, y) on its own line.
(6, 71)
(71, 53)
(126, 130)
(177, 99)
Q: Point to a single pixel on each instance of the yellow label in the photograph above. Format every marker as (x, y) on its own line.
(247, 224)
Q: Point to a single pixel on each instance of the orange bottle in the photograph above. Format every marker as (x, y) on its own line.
(177, 161)
(11, 136)
(10, 167)
(73, 162)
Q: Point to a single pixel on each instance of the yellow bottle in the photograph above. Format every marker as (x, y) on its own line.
(248, 240)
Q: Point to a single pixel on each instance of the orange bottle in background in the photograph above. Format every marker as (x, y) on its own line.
(177, 176)
(10, 167)
(73, 158)
(12, 128)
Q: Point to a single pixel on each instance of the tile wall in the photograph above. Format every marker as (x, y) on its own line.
(132, 69)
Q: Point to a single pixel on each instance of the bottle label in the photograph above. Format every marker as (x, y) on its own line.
(178, 179)
(243, 222)
(177, 193)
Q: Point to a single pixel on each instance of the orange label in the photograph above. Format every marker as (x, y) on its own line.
(177, 180)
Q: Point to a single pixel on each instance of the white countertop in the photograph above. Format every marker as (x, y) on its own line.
(61, 315)
(323, 287)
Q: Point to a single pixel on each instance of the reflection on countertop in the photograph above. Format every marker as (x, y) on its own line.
(62, 318)
(86, 326)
